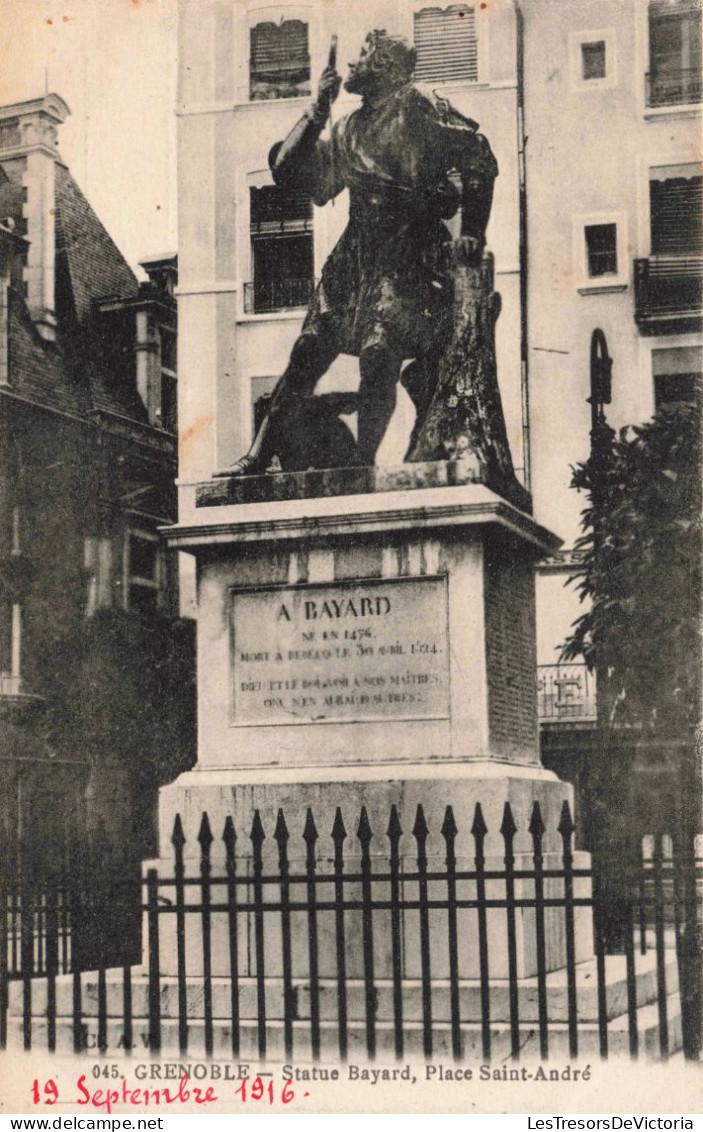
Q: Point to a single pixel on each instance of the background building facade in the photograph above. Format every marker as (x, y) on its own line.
(615, 239)
(593, 110)
(87, 463)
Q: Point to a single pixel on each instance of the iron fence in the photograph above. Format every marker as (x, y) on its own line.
(566, 692)
(674, 88)
(277, 294)
(37, 923)
(424, 948)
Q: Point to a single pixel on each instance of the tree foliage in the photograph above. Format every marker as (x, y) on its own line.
(640, 571)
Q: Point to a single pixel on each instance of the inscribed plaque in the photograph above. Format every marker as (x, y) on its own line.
(346, 651)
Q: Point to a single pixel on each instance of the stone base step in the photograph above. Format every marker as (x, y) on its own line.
(469, 995)
(469, 998)
(558, 1038)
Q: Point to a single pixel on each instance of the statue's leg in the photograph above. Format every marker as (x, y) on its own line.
(310, 358)
(380, 369)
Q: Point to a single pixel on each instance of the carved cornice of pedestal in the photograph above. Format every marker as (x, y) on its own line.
(353, 515)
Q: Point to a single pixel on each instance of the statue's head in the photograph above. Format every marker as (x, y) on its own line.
(386, 61)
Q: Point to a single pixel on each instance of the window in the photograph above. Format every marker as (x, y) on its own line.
(169, 402)
(281, 250)
(279, 60)
(143, 571)
(601, 250)
(593, 60)
(169, 385)
(674, 52)
(678, 376)
(446, 43)
(676, 211)
(168, 349)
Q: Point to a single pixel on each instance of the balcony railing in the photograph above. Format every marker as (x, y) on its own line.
(565, 693)
(674, 88)
(277, 295)
(669, 294)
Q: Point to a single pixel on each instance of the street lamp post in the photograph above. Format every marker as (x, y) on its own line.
(601, 395)
(604, 835)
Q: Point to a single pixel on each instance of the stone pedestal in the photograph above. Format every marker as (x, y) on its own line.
(373, 645)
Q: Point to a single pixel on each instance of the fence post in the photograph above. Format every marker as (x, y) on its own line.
(566, 829)
(599, 940)
(657, 863)
(691, 947)
(508, 829)
(178, 840)
(449, 833)
(281, 837)
(229, 837)
(394, 834)
(364, 836)
(339, 834)
(127, 1028)
(152, 880)
(102, 873)
(205, 840)
(258, 837)
(52, 961)
(26, 959)
(537, 830)
(4, 943)
(631, 974)
(310, 837)
(479, 829)
(420, 833)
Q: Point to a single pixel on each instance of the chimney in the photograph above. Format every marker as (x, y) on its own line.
(28, 154)
(156, 317)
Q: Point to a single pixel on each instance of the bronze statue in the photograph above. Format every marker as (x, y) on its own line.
(385, 295)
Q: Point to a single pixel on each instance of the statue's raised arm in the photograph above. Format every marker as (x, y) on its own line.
(303, 160)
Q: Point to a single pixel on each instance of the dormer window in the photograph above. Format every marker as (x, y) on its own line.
(279, 60)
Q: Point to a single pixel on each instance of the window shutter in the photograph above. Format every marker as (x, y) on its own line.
(678, 8)
(445, 41)
(277, 48)
(677, 216)
(279, 60)
(274, 211)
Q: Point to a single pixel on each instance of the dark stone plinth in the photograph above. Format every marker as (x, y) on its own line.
(283, 486)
